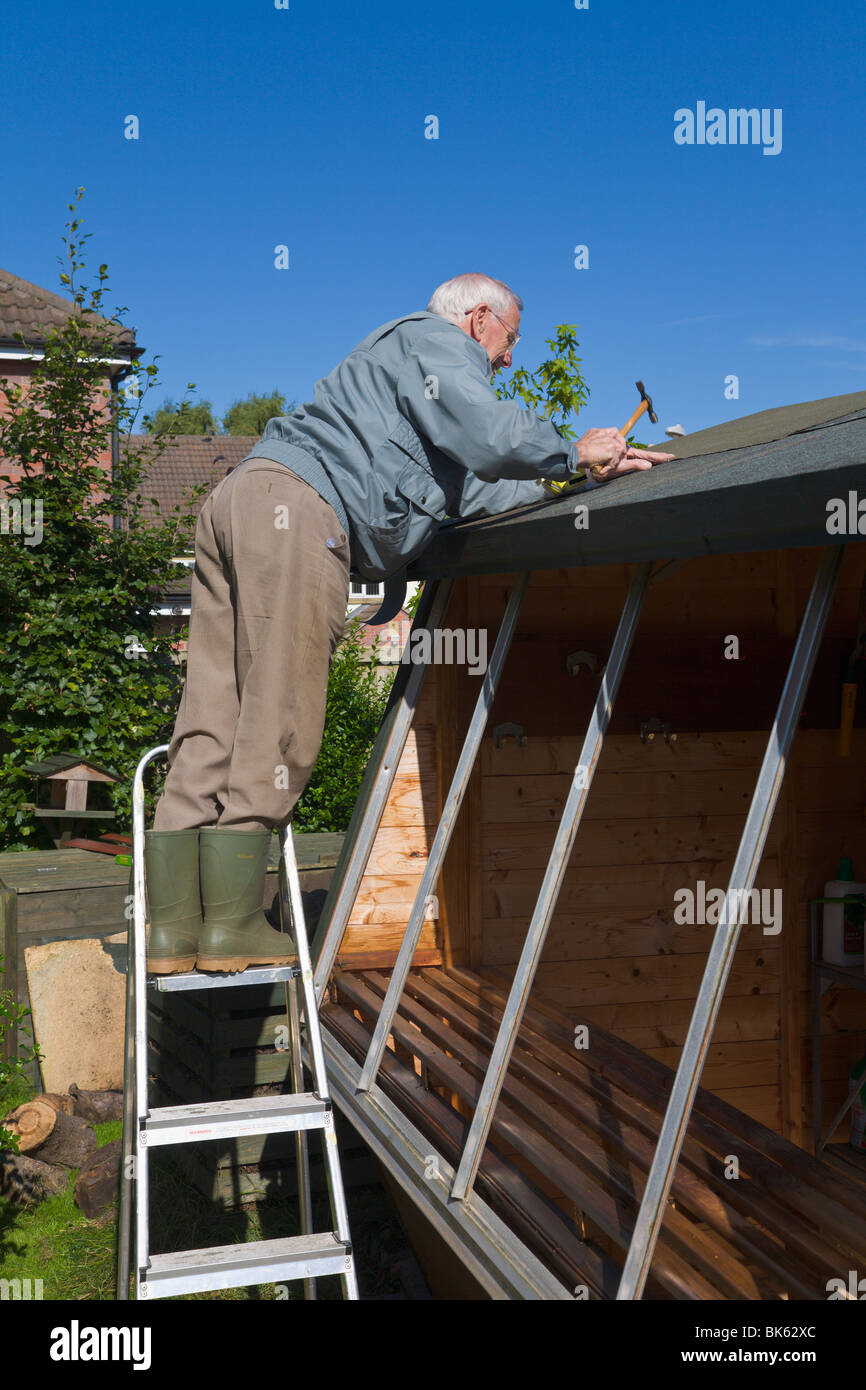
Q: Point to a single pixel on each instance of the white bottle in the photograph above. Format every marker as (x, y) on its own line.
(843, 922)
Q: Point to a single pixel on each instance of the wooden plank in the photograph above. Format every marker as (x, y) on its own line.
(734, 750)
(411, 801)
(386, 901)
(51, 871)
(630, 1097)
(613, 1214)
(174, 1008)
(168, 1043)
(629, 888)
(386, 938)
(792, 977)
(626, 753)
(660, 1023)
(760, 1103)
(630, 979)
(751, 568)
(610, 935)
(556, 1074)
(783, 1165)
(606, 842)
(371, 959)
(510, 1194)
(659, 794)
(55, 914)
(703, 590)
(400, 851)
(731, 1065)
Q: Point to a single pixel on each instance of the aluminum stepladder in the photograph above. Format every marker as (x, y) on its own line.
(288, 1258)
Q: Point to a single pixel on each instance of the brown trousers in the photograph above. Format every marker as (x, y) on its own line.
(269, 595)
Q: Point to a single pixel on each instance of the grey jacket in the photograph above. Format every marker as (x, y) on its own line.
(408, 430)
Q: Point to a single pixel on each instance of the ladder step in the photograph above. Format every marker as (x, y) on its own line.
(228, 1119)
(196, 979)
(256, 1262)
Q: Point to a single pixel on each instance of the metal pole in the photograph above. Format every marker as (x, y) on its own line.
(302, 1148)
(361, 839)
(551, 884)
(444, 831)
(721, 954)
(142, 1241)
(317, 1057)
(124, 1225)
(817, 1111)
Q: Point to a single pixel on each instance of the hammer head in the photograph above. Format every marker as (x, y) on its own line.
(649, 404)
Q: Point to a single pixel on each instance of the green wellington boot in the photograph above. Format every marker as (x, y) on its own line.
(235, 932)
(174, 905)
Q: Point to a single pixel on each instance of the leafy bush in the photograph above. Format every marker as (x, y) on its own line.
(357, 696)
(12, 1015)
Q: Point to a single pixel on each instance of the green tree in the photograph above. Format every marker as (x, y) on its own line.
(172, 419)
(557, 388)
(81, 667)
(251, 415)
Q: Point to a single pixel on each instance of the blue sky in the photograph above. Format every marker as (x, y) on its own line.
(305, 126)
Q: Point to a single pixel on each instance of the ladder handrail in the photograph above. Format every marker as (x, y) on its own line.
(137, 1114)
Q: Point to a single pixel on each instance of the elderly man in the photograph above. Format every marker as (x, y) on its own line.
(406, 430)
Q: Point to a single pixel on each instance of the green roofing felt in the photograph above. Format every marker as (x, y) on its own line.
(760, 483)
(764, 426)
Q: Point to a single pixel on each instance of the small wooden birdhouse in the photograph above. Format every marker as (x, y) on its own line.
(69, 776)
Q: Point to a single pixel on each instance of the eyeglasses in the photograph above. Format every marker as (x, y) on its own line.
(513, 338)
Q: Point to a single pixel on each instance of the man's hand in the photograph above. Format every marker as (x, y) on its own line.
(606, 454)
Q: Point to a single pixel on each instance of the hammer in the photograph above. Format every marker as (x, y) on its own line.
(646, 404)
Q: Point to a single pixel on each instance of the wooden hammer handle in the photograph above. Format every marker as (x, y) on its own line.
(633, 419)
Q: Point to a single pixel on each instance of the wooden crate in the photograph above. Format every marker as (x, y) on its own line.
(59, 895)
(222, 1045)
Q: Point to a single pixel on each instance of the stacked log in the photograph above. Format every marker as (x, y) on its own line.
(55, 1135)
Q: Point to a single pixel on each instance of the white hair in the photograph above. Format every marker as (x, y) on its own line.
(457, 297)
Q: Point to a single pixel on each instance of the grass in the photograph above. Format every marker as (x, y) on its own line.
(57, 1243)
(75, 1256)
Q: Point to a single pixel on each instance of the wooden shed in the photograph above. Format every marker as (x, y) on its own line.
(583, 1092)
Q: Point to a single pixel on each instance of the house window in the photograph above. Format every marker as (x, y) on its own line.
(362, 590)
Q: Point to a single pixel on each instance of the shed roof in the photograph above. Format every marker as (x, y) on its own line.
(761, 482)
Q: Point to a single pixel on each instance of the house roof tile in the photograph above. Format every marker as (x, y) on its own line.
(187, 461)
(29, 309)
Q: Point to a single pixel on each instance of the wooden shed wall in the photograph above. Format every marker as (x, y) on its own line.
(658, 818)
